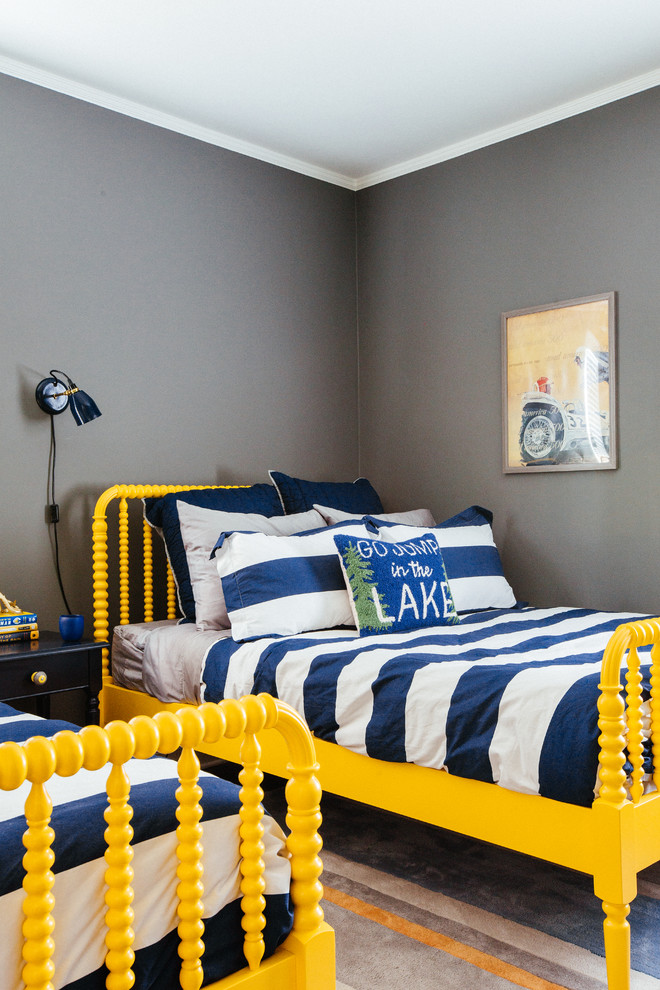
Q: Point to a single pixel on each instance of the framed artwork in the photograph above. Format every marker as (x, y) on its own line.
(559, 386)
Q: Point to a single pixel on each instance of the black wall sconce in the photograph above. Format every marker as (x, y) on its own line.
(53, 396)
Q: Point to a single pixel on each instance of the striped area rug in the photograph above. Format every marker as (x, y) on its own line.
(413, 905)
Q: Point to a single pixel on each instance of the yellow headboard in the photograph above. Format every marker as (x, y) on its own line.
(123, 495)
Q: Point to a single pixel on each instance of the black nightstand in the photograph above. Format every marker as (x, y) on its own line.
(41, 667)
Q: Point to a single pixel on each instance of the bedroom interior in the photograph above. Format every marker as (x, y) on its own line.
(231, 315)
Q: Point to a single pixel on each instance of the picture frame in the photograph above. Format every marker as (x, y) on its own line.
(559, 386)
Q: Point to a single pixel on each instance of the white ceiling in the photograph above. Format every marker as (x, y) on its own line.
(350, 91)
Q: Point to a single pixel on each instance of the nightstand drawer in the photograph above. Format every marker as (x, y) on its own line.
(39, 668)
(63, 673)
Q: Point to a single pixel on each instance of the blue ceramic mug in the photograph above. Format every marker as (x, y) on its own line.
(72, 627)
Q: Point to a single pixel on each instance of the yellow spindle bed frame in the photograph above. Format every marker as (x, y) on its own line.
(305, 961)
(613, 840)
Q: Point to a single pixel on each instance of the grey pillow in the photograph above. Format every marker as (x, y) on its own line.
(200, 529)
(414, 517)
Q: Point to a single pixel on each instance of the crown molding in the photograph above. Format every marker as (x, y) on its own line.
(590, 102)
(138, 111)
(100, 98)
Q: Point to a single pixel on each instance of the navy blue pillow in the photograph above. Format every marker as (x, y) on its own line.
(475, 515)
(357, 497)
(162, 514)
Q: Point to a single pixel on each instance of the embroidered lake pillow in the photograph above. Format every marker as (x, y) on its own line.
(396, 586)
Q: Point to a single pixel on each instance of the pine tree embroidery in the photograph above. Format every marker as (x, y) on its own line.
(369, 604)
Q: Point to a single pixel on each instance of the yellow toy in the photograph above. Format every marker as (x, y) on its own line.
(7, 607)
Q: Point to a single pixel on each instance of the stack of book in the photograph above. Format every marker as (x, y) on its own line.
(18, 626)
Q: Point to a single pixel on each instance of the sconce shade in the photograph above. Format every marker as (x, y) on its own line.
(53, 395)
(83, 407)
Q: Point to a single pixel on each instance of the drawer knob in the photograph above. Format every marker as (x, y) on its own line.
(39, 677)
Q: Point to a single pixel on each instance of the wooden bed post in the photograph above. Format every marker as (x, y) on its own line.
(312, 940)
(100, 572)
(189, 850)
(119, 914)
(615, 875)
(253, 886)
(38, 969)
(617, 945)
(615, 885)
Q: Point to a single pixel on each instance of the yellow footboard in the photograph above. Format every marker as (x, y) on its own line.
(305, 961)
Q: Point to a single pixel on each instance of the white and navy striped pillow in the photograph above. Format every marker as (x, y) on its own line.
(283, 585)
(472, 561)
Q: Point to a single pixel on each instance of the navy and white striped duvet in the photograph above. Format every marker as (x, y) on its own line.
(507, 696)
(79, 803)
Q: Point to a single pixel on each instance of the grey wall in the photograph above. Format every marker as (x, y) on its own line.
(205, 300)
(566, 211)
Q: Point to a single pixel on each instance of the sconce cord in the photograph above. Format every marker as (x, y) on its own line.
(53, 457)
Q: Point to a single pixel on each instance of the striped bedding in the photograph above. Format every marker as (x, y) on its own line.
(507, 696)
(79, 803)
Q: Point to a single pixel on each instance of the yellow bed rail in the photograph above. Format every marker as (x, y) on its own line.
(38, 759)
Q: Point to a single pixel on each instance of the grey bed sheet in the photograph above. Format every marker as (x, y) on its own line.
(162, 658)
